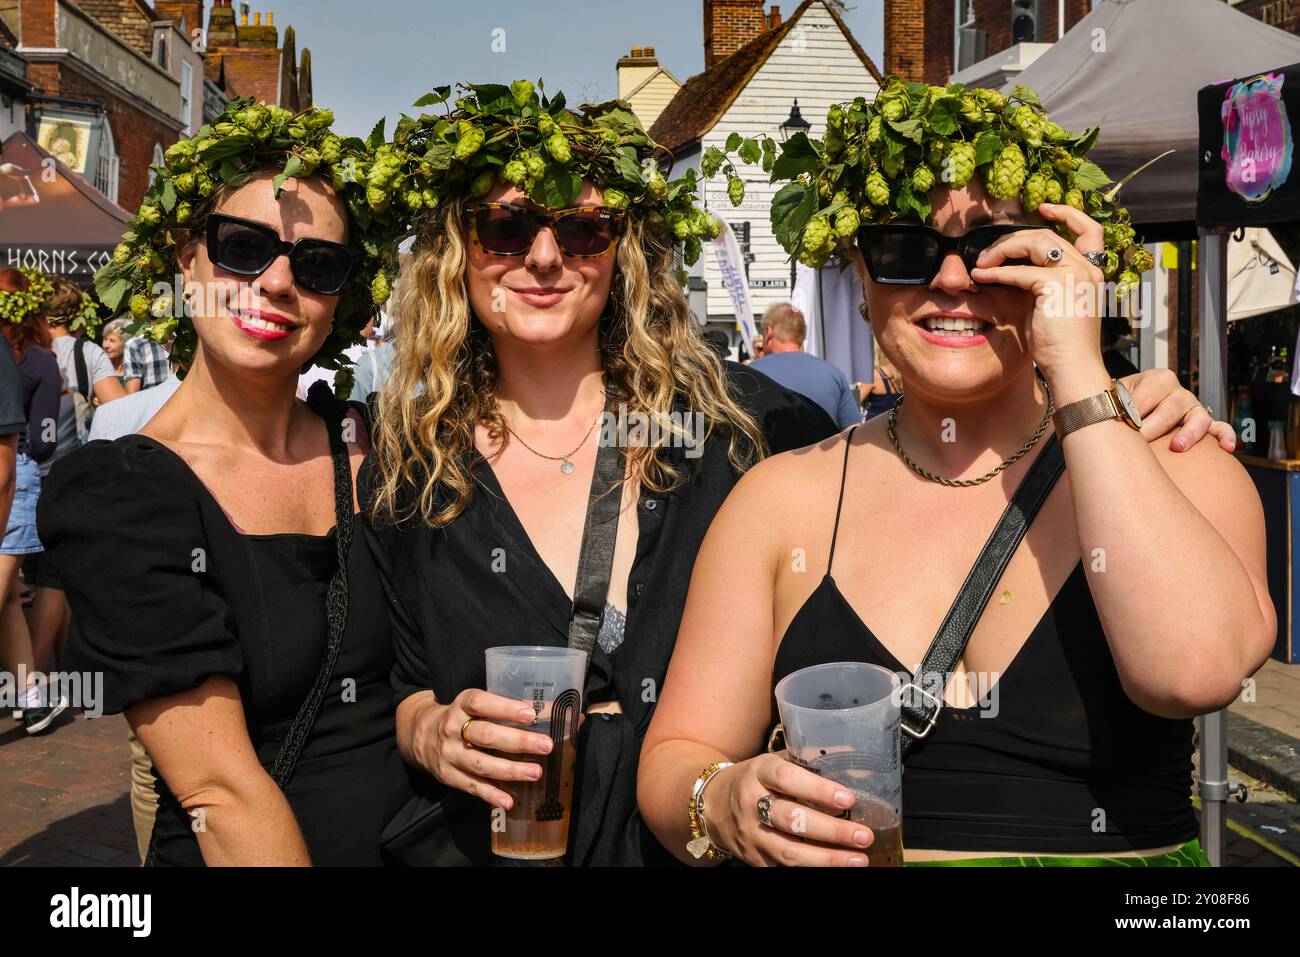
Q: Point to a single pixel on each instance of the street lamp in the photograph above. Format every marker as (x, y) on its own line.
(795, 123)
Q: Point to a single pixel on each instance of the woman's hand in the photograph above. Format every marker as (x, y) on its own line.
(1166, 407)
(731, 816)
(1064, 333)
(437, 746)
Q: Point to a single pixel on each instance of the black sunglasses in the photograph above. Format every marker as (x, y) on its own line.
(247, 248)
(584, 232)
(909, 254)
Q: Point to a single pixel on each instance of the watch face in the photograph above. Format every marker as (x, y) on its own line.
(1126, 401)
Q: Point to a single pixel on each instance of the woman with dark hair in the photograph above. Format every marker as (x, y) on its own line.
(210, 560)
(22, 299)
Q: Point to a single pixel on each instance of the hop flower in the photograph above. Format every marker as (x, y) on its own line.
(184, 213)
(310, 158)
(558, 147)
(1054, 189)
(972, 110)
(546, 126)
(379, 289)
(162, 331)
(469, 143)
(151, 215)
(846, 222)
(1028, 123)
(959, 164)
(515, 172)
(691, 250)
(736, 191)
(376, 197)
(656, 186)
(121, 254)
(522, 92)
(1054, 131)
(1074, 197)
(937, 150)
(892, 165)
(140, 306)
(991, 99)
(923, 179)
(482, 182)
(1112, 264)
(414, 200)
(536, 165)
(204, 184)
(877, 190)
(1007, 174)
(331, 150)
(873, 130)
(1118, 235)
(894, 109)
(615, 198)
(1034, 192)
(1128, 281)
(319, 119)
(1141, 261)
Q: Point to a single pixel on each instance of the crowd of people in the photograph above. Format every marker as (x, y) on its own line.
(290, 593)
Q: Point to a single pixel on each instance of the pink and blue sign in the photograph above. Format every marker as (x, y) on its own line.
(1256, 137)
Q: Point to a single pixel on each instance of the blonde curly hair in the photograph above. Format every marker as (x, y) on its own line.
(444, 374)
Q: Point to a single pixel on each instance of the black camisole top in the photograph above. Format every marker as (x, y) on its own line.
(1056, 759)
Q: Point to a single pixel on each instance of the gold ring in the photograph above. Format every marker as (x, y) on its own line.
(463, 736)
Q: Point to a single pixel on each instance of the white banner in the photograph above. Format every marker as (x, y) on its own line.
(732, 265)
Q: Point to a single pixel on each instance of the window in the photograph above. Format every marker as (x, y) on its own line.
(108, 168)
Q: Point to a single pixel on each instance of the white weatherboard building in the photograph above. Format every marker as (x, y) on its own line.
(811, 58)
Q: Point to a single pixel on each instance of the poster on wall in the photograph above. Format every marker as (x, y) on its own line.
(70, 138)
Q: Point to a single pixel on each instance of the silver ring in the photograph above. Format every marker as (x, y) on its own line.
(765, 809)
(1097, 259)
(1054, 254)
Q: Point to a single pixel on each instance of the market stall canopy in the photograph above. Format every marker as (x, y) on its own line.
(1261, 279)
(51, 218)
(1134, 67)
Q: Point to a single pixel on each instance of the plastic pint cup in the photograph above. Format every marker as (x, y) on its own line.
(536, 827)
(841, 720)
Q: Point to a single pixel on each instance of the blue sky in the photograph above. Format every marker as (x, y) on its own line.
(376, 57)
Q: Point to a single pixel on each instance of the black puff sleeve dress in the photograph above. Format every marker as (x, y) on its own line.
(166, 593)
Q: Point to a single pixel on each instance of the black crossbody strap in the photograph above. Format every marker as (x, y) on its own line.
(596, 561)
(79, 365)
(922, 698)
(336, 595)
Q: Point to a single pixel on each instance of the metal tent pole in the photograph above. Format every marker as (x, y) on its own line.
(1213, 299)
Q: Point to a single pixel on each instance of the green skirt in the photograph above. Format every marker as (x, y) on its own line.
(1189, 855)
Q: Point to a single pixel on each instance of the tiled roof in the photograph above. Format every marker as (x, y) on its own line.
(705, 97)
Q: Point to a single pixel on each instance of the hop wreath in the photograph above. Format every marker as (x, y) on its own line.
(493, 133)
(87, 317)
(17, 306)
(249, 138)
(878, 161)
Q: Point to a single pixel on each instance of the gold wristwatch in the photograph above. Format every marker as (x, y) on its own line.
(1114, 403)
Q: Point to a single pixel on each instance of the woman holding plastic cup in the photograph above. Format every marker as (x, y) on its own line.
(1061, 733)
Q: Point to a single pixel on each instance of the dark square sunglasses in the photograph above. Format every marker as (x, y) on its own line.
(584, 232)
(910, 254)
(247, 248)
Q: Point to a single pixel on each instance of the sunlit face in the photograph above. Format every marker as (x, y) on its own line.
(952, 368)
(266, 324)
(113, 345)
(542, 298)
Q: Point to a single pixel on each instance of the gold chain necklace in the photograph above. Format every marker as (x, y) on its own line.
(566, 466)
(964, 483)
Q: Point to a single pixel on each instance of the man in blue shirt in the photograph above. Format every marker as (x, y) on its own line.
(785, 361)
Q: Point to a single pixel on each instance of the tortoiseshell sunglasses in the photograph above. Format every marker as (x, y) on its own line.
(584, 232)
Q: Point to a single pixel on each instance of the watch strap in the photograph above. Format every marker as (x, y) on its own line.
(1089, 411)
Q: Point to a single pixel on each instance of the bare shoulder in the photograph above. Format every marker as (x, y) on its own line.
(1205, 469)
(777, 477)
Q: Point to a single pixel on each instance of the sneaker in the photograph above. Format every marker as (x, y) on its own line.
(17, 714)
(39, 720)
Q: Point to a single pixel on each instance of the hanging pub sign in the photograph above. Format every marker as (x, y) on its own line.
(1246, 150)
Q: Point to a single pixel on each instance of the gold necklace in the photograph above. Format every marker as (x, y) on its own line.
(964, 483)
(566, 466)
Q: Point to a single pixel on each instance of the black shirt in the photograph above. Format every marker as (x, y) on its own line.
(449, 605)
(166, 593)
(13, 419)
(42, 386)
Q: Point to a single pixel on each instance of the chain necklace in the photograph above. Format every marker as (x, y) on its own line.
(566, 466)
(964, 483)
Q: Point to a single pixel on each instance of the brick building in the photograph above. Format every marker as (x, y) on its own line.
(994, 39)
(248, 59)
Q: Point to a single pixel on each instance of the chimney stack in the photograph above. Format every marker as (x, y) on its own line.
(729, 25)
(905, 39)
(635, 69)
(189, 11)
(774, 18)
